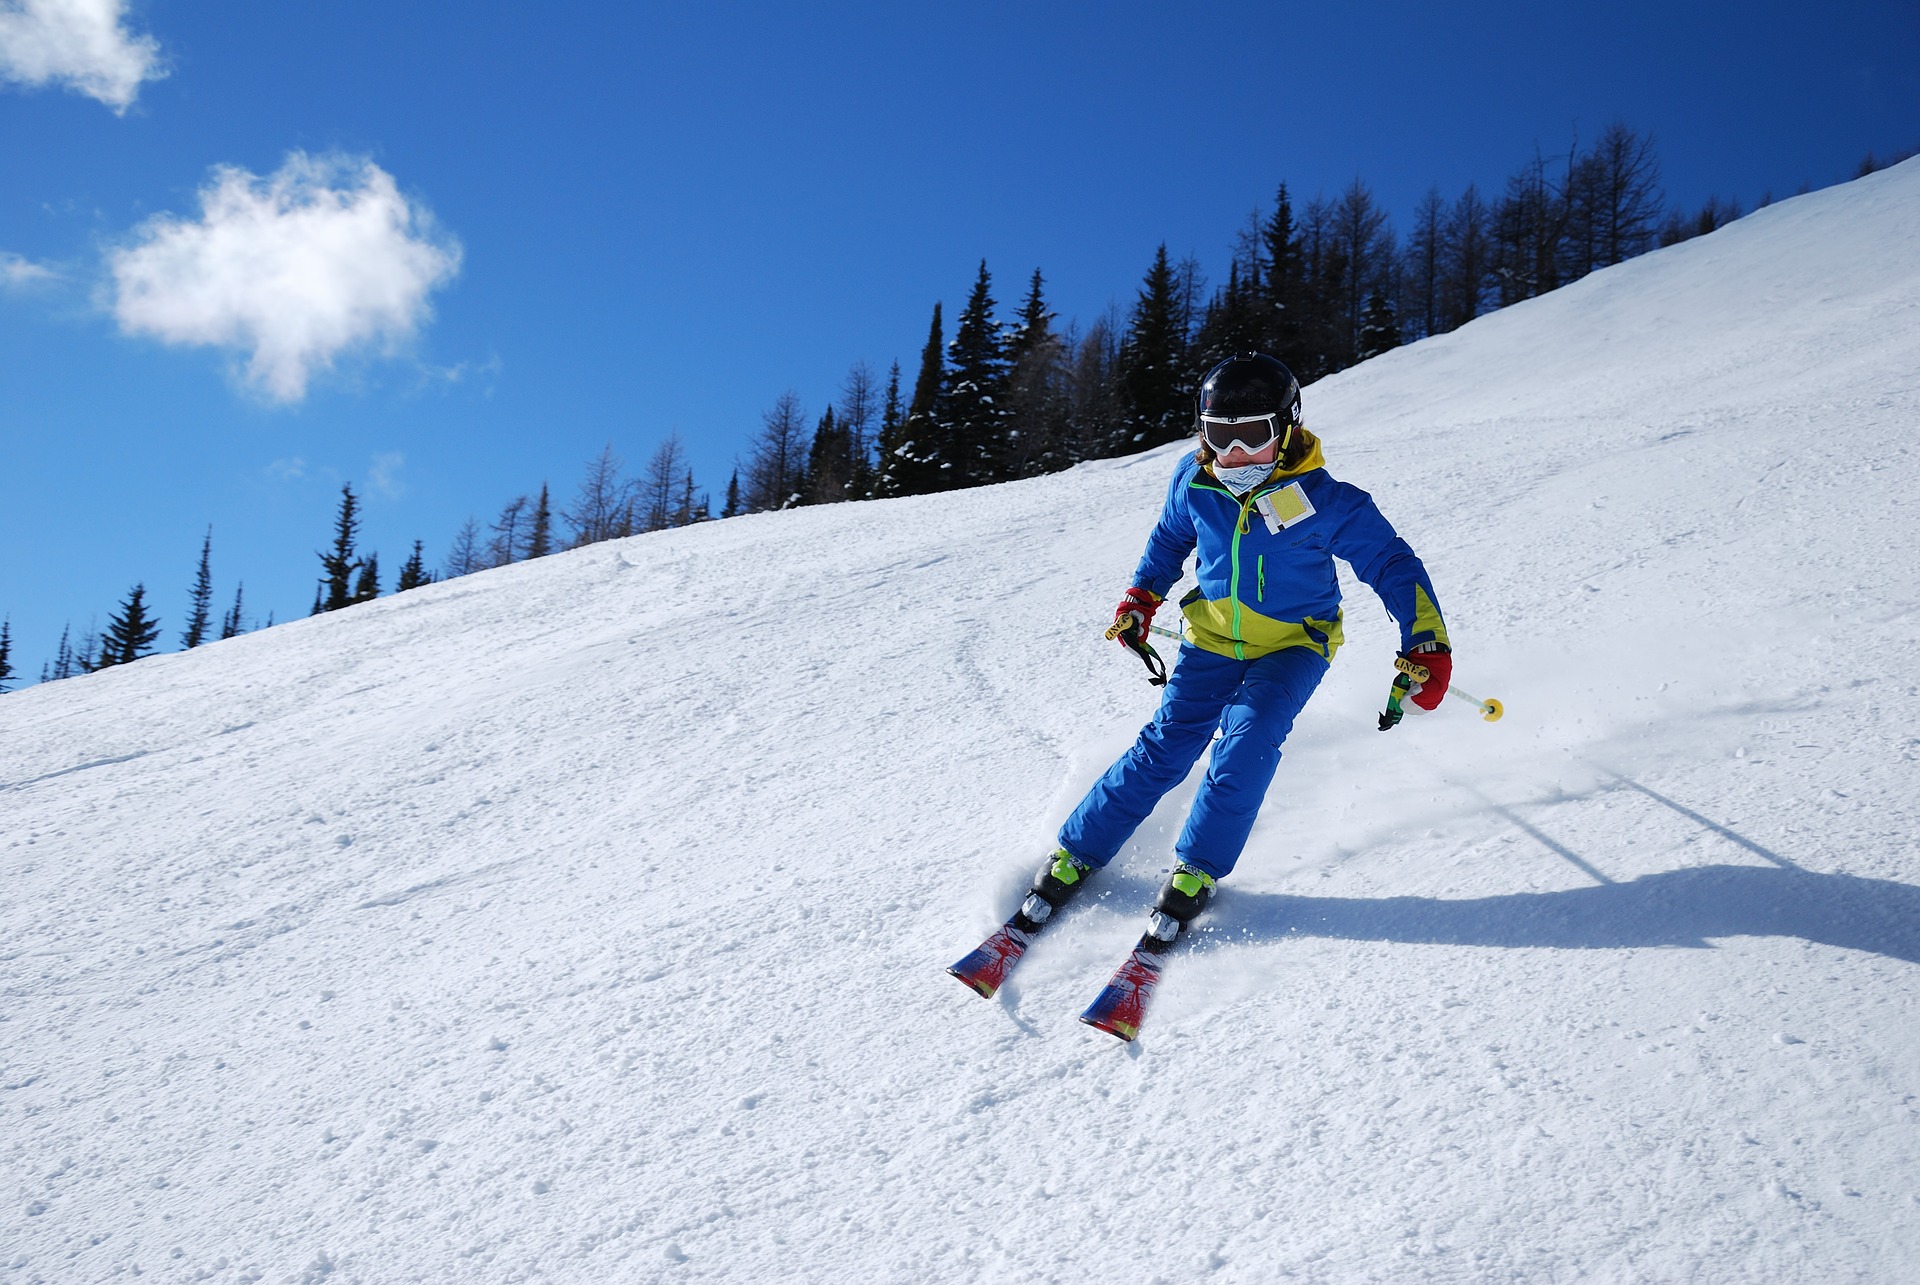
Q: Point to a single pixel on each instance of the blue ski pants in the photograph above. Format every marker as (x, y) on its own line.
(1253, 704)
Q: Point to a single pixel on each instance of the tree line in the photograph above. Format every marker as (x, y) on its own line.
(1323, 285)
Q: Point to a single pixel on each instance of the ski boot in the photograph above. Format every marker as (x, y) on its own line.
(1186, 893)
(1053, 887)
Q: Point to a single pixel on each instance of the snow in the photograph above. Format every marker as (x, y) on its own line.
(586, 920)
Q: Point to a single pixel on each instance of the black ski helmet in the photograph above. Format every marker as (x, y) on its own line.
(1252, 384)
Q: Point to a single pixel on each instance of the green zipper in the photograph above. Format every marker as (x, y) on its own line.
(1239, 526)
(1233, 588)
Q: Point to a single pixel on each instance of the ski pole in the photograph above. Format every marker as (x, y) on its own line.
(1411, 673)
(1128, 631)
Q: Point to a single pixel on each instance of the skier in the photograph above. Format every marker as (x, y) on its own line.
(1257, 503)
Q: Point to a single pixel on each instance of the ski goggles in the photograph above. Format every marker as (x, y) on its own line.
(1251, 433)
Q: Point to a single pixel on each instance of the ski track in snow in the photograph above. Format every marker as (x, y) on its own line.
(585, 920)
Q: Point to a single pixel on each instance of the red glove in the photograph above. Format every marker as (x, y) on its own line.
(1439, 666)
(1139, 605)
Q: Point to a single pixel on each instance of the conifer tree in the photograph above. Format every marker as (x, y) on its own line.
(688, 511)
(973, 397)
(732, 508)
(509, 541)
(1039, 399)
(231, 624)
(859, 404)
(540, 538)
(1098, 422)
(63, 655)
(1379, 326)
(892, 439)
(829, 462)
(660, 484)
(1153, 362)
(776, 470)
(199, 616)
(603, 509)
(1421, 267)
(367, 587)
(6, 653)
(1316, 315)
(1466, 260)
(1364, 251)
(1283, 331)
(338, 566)
(413, 572)
(1231, 324)
(1529, 225)
(913, 467)
(131, 633)
(463, 555)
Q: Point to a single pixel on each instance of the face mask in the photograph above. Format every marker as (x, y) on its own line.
(1242, 480)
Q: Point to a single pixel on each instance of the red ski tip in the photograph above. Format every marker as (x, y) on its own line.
(990, 962)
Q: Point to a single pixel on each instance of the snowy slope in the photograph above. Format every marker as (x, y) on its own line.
(585, 920)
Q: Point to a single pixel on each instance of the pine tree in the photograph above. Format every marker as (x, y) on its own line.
(6, 653)
(540, 538)
(413, 572)
(1283, 329)
(1466, 260)
(1038, 395)
(1363, 244)
(776, 470)
(463, 555)
(232, 624)
(1379, 327)
(913, 467)
(199, 617)
(829, 462)
(1529, 227)
(337, 567)
(367, 587)
(661, 481)
(858, 406)
(973, 396)
(1153, 362)
(603, 509)
(688, 511)
(732, 508)
(509, 541)
(1316, 314)
(131, 633)
(63, 656)
(1231, 324)
(1421, 267)
(892, 438)
(1098, 424)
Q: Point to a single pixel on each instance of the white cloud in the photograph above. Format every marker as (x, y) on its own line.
(385, 473)
(80, 42)
(323, 256)
(16, 271)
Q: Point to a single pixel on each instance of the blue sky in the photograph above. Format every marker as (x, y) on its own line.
(608, 221)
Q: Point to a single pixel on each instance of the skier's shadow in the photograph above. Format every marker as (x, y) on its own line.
(1672, 908)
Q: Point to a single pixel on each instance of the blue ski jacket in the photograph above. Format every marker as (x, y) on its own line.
(1265, 561)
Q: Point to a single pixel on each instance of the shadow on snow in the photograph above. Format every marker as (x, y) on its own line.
(1672, 908)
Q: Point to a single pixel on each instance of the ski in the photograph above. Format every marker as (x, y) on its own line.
(1122, 1006)
(987, 966)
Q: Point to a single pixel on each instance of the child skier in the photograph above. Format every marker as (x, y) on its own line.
(1267, 520)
